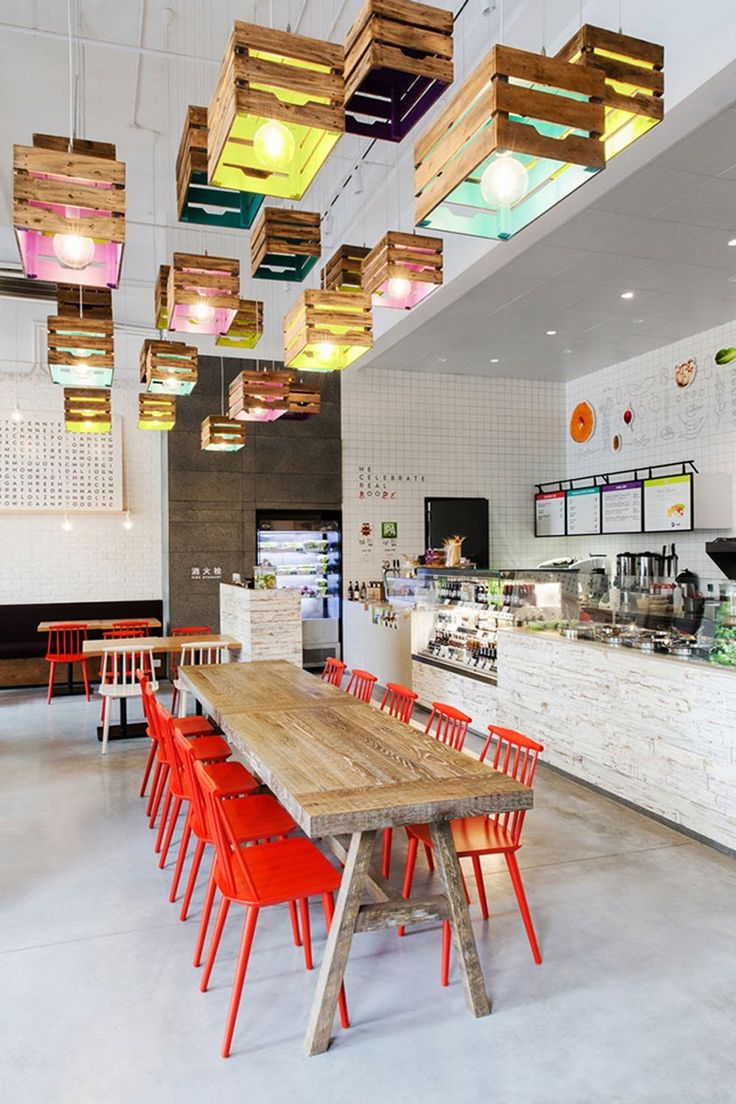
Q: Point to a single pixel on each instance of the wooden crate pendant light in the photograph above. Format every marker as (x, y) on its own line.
(79, 337)
(343, 270)
(160, 292)
(168, 367)
(326, 331)
(196, 199)
(634, 72)
(259, 396)
(285, 245)
(87, 410)
(398, 62)
(203, 294)
(246, 328)
(222, 434)
(402, 269)
(520, 135)
(277, 111)
(304, 402)
(156, 411)
(69, 210)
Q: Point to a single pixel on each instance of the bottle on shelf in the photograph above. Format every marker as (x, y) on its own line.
(363, 592)
(350, 592)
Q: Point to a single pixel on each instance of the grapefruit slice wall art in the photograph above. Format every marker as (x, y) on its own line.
(582, 423)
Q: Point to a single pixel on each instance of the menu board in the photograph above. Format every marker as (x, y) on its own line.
(621, 507)
(583, 511)
(668, 503)
(549, 514)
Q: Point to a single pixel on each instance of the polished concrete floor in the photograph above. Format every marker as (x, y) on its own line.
(634, 1002)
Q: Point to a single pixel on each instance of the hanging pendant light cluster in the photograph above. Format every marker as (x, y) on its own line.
(259, 396)
(197, 200)
(343, 270)
(160, 292)
(222, 434)
(285, 245)
(69, 210)
(87, 410)
(402, 269)
(304, 402)
(168, 367)
(246, 328)
(326, 331)
(203, 293)
(79, 338)
(156, 411)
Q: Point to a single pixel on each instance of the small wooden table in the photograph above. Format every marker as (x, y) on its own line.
(345, 771)
(93, 625)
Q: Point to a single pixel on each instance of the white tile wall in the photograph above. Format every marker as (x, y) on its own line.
(98, 560)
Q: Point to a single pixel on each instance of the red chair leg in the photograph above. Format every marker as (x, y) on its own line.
(295, 924)
(428, 854)
(328, 905)
(183, 848)
(446, 941)
(85, 676)
(159, 793)
(50, 693)
(386, 862)
(204, 923)
(154, 787)
(411, 858)
(216, 936)
(523, 906)
(192, 880)
(170, 832)
(478, 872)
(249, 928)
(162, 824)
(306, 932)
(147, 771)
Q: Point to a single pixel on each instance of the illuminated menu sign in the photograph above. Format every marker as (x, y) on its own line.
(583, 511)
(549, 514)
(621, 507)
(668, 503)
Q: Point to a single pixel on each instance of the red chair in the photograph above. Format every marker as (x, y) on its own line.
(121, 630)
(257, 877)
(516, 756)
(398, 702)
(360, 684)
(333, 672)
(183, 630)
(131, 628)
(64, 645)
(191, 726)
(450, 725)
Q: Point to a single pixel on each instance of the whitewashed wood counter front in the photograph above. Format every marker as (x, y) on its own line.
(653, 730)
(268, 622)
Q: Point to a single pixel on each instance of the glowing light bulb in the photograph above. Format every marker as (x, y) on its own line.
(201, 311)
(171, 382)
(82, 369)
(399, 287)
(504, 182)
(73, 251)
(66, 525)
(17, 414)
(127, 520)
(325, 350)
(274, 145)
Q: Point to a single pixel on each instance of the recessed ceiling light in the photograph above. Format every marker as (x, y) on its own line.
(551, 333)
(442, 360)
(567, 350)
(627, 295)
(494, 360)
(731, 242)
(732, 279)
(637, 321)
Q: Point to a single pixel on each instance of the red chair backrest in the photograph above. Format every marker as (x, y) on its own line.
(130, 628)
(64, 643)
(192, 630)
(333, 672)
(361, 684)
(185, 755)
(450, 725)
(398, 701)
(230, 858)
(516, 756)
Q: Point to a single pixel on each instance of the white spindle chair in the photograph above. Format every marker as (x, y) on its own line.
(197, 655)
(118, 680)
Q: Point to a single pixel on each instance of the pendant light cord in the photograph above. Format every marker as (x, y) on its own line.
(71, 72)
(222, 385)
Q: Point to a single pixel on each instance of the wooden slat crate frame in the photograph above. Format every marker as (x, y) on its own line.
(195, 279)
(634, 72)
(222, 434)
(168, 366)
(274, 75)
(259, 396)
(398, 62)
(156, 411)
(416, 258)
(285, 244)
(160, 293)
(246, 328)
(87, 302)
(195, 196)
(500, 109)
(305, 401)
(326, 331)
(87, 410)
(73, 340)
(74, 192)
(343, 270)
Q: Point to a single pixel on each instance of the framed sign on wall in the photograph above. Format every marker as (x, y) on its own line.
(45, 469)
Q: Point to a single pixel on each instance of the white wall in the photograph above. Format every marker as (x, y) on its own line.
(98, 560)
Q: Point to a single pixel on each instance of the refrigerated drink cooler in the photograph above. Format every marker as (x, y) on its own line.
(305, 550)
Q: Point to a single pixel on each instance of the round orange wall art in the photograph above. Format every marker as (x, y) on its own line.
(582, 423)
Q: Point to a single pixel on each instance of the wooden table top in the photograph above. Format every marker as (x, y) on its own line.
(342, 766)
(98, 626)
(162, 645)
(261, 684)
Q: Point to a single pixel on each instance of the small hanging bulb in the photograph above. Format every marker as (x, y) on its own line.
(17, 414)
(127, 520)
(73, 251)
(66, 524)
(326, 350)
(398, 287)
(274, 145)
(201, 311)
(171, 381)
(82, 369)
(504, 182)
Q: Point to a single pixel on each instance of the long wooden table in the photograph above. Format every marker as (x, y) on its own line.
(160, 645)
(345, 771)
(98, 625)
